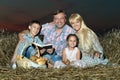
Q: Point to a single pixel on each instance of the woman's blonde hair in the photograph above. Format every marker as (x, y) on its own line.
(84, 31)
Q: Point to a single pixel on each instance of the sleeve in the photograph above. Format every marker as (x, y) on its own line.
(20, 47)
(69, 30)
(44, 27)
(96, 44)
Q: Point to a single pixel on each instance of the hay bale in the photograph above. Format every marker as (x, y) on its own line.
(110, 43)
(2, 54)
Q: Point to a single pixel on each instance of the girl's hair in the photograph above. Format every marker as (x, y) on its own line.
(74, 36)
(84, 31)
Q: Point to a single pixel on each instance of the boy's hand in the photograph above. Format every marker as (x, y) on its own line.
(50, 51)
(42, 50)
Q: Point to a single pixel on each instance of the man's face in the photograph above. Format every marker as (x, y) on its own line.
(59, 20)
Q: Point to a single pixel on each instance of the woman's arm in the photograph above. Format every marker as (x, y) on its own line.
(96, 44)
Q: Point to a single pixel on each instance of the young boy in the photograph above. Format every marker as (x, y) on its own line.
(25, 48)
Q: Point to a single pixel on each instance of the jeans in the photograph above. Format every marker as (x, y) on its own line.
(29, 51)
(54, 57)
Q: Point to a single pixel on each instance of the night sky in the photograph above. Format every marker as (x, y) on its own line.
(97, 14)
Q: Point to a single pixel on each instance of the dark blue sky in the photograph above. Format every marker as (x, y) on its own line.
(98, 14)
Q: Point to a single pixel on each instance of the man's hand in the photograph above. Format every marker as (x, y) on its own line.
(21, 34)
(50, 51)
(67, 62)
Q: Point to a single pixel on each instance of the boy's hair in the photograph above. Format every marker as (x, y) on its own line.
(74, 36)
(59, 11)
(34, 21)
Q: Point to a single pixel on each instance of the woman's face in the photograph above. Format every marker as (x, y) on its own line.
(76, 25)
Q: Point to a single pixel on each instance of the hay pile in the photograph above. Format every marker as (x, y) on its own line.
(110, 43)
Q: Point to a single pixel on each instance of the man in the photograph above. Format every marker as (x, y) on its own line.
(57, 31)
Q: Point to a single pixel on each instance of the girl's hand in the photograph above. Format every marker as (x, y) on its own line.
(67, 62)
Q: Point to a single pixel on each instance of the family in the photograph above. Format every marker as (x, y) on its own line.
(77, 46)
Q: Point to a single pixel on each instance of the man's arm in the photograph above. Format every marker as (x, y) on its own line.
(21, 34)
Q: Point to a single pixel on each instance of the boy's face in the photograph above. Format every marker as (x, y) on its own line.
(34, 29)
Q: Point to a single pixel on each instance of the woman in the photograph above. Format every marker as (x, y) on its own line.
(88, 41)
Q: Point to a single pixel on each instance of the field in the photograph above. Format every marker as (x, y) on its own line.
(110, 42)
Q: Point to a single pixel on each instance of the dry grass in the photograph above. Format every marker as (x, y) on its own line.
(110, 43)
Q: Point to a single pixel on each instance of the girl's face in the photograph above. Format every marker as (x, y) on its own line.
(72, 41)
(76, 25)
(34, 29)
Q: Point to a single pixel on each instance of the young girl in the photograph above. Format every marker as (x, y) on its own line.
(71, 54)
(88, 40)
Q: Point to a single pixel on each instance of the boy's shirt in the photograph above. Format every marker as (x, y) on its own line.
(28, 40)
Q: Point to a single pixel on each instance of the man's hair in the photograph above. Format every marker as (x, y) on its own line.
(34, 21)
(59, 11)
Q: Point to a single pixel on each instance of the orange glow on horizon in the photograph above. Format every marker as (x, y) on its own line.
(11, 27)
